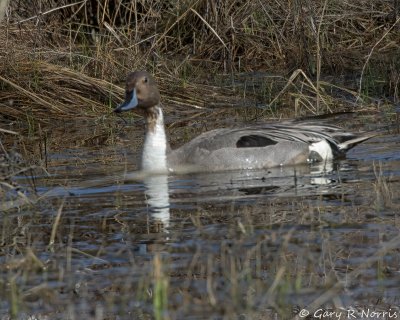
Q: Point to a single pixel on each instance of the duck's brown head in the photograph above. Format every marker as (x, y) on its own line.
(141, 92)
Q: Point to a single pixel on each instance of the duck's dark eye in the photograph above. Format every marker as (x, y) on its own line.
(145, 80)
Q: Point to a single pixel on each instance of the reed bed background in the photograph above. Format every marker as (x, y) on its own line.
(68, 59)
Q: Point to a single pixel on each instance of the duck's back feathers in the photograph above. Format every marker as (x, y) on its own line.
(265, 146)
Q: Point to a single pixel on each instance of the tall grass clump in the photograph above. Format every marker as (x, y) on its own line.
(65, 58)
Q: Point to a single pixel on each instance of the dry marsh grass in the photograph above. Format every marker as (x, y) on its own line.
(63, 59)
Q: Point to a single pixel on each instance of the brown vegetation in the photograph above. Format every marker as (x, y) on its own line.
(62, 58)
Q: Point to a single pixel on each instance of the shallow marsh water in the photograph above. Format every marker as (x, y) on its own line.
(234, 245)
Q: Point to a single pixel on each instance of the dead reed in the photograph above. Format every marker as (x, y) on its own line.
(63, 59)
(12, 194)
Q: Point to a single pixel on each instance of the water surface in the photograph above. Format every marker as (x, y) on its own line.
(231, 245)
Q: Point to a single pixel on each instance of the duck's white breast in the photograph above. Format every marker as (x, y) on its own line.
(155, 147)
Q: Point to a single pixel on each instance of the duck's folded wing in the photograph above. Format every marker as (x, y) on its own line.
(267, 135)
(285, 143)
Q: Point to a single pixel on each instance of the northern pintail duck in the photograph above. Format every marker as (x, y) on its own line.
(252, 147)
